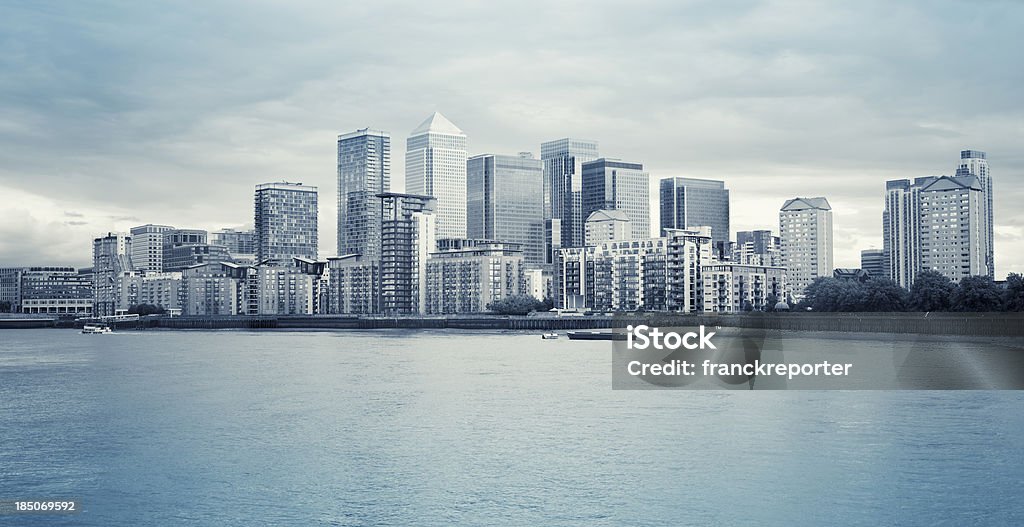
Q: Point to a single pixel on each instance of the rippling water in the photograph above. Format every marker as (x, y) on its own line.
(436, 428)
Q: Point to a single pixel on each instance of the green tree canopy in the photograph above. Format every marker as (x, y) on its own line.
(931, 291)
(882, 294)
(977, 293)
(1013, 297)
(146, 309)
(516, 305)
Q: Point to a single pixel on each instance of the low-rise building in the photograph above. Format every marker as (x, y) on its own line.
(354, 285)
(55, 290)
(735, 288)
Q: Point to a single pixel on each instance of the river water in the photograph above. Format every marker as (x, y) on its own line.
(455, 427)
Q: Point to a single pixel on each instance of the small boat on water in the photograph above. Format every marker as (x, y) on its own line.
(548, 336)
(596, 335)
(90, 329)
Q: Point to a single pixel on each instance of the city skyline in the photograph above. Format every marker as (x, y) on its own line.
(772, 123)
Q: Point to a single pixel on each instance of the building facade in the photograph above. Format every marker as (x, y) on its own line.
(689, 202)
(805, 232)
(55, 291)
(286, 222)
(177, 258)
(161, 290)
(465, 276)
(219, 289)
(563, 192)
(737, 288)
(612, 184)
(364, 170)
(975, 163)
(354, 285)
(758, 247)
(606, 225)
(620, 275)
(241, 244)
(435, 165)
(935, 223)
(148, 247)
(872, 261)
(10, 288)
(504, 202)
(408, 236)
(114, 291)
(954, 228)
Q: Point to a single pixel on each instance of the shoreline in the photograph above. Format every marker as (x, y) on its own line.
(946, 324)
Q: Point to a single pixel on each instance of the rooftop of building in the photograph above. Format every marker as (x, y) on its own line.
(608, 215)
(286, 185)
(363, 132)
(437, 124)
(806, 203)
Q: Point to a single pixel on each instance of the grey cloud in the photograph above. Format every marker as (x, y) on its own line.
(176, 110)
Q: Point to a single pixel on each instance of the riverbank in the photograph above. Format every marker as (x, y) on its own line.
(967, 324)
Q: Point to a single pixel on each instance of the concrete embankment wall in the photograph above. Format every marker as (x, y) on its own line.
(977, 324)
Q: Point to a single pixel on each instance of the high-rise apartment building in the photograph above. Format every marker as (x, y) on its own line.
(408, 228)
(286, 222)
(504, 202)
(805, 230)
(435, 165)
(689, 202)
(364, 170)
(975, 163)
(612, 184)
(148, 247)
(935, 223)
(953, 227)
(563, 192)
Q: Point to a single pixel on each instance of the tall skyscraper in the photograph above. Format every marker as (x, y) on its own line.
(435, 165)
(873, 261)
(504, 202)
(364, 170)
(975, 163)
(612, 184)
(408, 228)
(901, 229)
(286, 222)
(563, 192)
(805, 230)
(148, 247)
(689, 202)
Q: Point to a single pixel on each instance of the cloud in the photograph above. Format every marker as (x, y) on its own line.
(172, 113)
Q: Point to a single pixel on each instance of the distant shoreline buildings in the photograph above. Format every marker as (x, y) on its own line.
(571, 227)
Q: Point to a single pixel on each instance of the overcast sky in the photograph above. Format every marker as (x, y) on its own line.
(114, 114)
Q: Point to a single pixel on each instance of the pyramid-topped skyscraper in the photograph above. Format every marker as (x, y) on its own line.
(435, 165)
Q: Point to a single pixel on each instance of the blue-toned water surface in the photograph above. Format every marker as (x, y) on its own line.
(452, 427)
